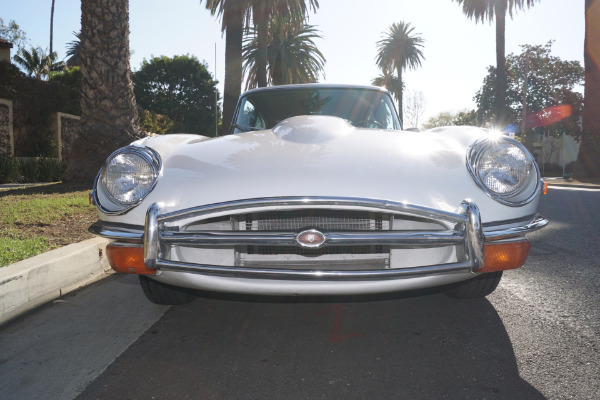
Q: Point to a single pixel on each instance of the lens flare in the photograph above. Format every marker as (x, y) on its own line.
(548, 116)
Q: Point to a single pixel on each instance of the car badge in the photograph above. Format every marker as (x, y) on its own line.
(311, 238)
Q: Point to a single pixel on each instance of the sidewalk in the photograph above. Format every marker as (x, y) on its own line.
(569, 182)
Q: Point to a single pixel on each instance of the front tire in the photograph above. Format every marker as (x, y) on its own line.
(477, 287)
(163, 294)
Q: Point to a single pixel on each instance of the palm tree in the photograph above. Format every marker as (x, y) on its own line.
(262, 11)
(482, 10)
(588, 164)
(292, 56)
(233, 14)
(109, 114)
(399, 49)
(37, 63)
(389, 81)
(73, 51)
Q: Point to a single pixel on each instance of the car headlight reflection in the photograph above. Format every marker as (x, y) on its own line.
(127, 176)
(505, 170)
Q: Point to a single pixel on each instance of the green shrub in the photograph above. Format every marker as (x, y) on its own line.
(50, 169)
(28, 169)
(9, 170)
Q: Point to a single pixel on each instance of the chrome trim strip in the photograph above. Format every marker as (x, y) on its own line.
(132, 234)
(474, 239)
(135, 234)
(290, 203)
(268, 273)
(151, 237)
(245, 238)
(537, 223)
(491, 224)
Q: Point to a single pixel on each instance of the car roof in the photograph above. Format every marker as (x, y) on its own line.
(314, 86)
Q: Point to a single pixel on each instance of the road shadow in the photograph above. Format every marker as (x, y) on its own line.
(426, 347)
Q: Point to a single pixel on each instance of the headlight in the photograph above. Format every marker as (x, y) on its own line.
(505, 170)
(128, 175)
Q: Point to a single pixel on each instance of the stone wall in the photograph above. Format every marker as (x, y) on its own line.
(7, 145)
(66, 129)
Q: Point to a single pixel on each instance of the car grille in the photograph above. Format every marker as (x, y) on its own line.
(323, 220)
(329, 220)
(249, 236)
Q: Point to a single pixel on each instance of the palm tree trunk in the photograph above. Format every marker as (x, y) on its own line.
(588, 160)
(400, 94)
(284, 67)
(261, 24)
(500, 11)
(109, 117)
(234, 19)
(51, 25)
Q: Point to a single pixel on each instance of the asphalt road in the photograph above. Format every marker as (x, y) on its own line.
(536, 337)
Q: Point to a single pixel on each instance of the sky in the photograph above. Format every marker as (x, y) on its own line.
(457, 50)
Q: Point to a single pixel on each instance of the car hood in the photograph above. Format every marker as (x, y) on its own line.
(320, 156)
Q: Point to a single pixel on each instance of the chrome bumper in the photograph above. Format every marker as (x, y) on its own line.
(467, 233)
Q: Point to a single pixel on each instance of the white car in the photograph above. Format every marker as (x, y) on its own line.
(317, 191)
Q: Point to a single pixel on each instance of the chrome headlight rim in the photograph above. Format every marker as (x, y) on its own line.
(514, 198)
(115, 206)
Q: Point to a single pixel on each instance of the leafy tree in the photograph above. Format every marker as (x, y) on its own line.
(465, 118)
(109, 116)
(444, 118)
(536, 80)
(153, 122)
(70, 77)
(14, 34)
(180, 88)
(482, 10)
(588, 164)
(37, 63)
(399, 49)
(447, 118)
(292, 56)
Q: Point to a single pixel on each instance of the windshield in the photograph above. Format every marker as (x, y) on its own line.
(360, 107)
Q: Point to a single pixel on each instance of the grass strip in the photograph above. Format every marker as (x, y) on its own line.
(38, 219)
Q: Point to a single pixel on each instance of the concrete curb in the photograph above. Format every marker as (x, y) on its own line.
(37, 280)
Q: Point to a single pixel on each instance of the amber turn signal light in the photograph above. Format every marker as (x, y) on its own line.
(503, 256)
(128, 260)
